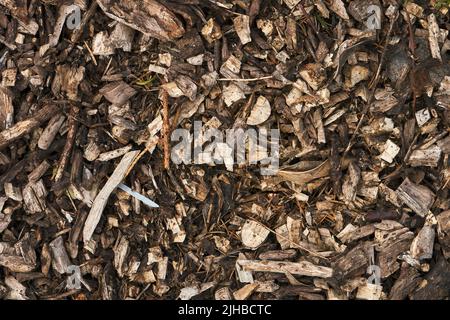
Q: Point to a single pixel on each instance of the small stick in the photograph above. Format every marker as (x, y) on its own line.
(73, 127)
(166, 128)
(245, 80)
(87, 16)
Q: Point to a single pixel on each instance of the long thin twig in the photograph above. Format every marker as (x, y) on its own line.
(72, 132)
(166, 128)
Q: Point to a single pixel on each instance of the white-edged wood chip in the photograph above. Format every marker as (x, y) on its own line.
(253, 234)
(390, 151)
(433, 35)
(242, 27)
(303, 268)
(260, 112)
(423, 116)
(338, 7)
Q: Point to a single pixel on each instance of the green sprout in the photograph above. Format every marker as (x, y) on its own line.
(146, 82)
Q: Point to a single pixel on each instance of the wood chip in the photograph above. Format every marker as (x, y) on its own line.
(102, 197)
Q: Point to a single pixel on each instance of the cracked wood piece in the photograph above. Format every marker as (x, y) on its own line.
(102, 197)
(422, 245)
(353, 263)
(303, 268)
(21, 128)
(358, 233)
(391, 246)
(6, 107)
(351, 181)
(60, 261)
(281, 255)
(418, 198)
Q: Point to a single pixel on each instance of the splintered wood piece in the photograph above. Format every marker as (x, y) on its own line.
(352, 263)
(15, 263)
(320, 171)
(433, 36)
(232, 94)
(110, 155)
(211, 31)
(244, 276)
(282, 235)
(351, 181)
(260, 112)
(120, 254)
(102, 197)
(425, 157)
(13, 192)
(280, 255)
(67, 80)
(49, 133)
(6, 108)
(60, 259)
(303, 268)
(147, 16)
(21, 128)
(313, 74)
(294, 226)
(242, 27)
(443, 221)
(419, 198)
(19, 11)
(253, 234)
(390, 151)
(358, 233)
(34, 197)
(369, 291)
(422, 245)
(245, 292)
(391, 246)
(338, 7)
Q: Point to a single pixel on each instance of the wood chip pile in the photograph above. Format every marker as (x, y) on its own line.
(93, 205)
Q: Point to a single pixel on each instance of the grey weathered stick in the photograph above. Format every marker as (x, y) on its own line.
(21, 128)
(303, 268)
(102, 197)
